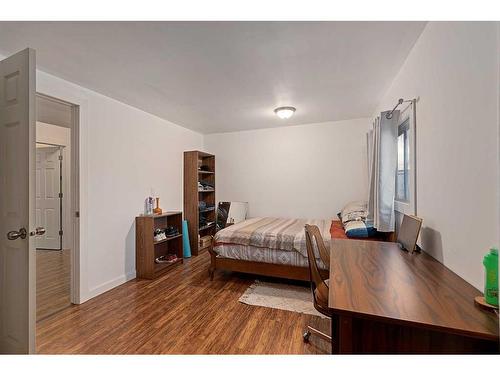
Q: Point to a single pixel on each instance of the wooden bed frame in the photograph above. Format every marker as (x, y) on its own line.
(257, 268)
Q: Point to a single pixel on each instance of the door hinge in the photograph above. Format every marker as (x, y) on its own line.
(60, 195)
(60, 232)
(60, 157)
(77, 213)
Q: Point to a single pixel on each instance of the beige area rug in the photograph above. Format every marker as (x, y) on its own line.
(280, 296)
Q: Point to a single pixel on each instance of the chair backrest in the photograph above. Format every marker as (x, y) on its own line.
(409, 231)
(312, 231)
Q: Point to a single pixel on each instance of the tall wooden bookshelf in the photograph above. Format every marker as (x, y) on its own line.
(198, 167)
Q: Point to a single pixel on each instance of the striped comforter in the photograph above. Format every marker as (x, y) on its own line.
(272, 233)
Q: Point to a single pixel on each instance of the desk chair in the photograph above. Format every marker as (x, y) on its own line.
(408, 232)
(319, 285)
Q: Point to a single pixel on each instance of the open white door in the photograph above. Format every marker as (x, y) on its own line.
(17, 203)
(48, 198)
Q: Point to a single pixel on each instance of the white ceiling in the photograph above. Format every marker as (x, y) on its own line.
(225, 76)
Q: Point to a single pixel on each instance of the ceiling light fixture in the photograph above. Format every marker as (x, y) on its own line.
(284, 112)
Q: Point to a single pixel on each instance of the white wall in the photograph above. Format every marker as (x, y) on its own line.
(307, 171)
(53, 112)
(53, 134)
(454, 70)
(124, 152)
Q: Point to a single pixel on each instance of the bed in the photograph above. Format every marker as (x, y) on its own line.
(266, 246)
(270, 246)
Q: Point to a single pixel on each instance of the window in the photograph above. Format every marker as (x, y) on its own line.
(405, 200)
(403, 171)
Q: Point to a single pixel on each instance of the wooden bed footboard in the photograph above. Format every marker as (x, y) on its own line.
(257, 268)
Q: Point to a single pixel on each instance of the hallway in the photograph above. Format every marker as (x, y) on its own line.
(52, 282)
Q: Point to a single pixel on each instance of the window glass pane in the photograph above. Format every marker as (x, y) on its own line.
(407, 166)
(403, 172)
(400, 188)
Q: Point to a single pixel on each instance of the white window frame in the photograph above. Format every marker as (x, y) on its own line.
(409, 207)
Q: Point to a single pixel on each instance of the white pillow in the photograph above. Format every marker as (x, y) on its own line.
(354, 211)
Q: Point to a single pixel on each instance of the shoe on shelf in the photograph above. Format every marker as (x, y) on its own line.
(171, 231)
(169, 258)
(159, 234)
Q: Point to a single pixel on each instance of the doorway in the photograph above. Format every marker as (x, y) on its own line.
(55, 248)
(50, 181)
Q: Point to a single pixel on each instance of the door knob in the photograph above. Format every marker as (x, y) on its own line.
(14, 234)
(39, 231)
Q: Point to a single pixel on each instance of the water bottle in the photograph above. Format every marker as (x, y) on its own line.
(490, 262)
(148, 206)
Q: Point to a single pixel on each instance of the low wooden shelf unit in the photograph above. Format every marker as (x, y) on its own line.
(147, 249)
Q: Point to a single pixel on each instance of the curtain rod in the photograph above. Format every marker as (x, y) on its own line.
(400, 101)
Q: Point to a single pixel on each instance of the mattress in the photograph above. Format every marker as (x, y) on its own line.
(264, 255)
(272, 233)
(269, 240)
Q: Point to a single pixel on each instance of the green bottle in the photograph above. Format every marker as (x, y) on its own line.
(490, 262)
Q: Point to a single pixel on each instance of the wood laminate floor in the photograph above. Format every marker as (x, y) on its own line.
(52, 282)
(183, 312)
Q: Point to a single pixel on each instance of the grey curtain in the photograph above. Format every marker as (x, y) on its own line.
(382, 160)
(369, 151)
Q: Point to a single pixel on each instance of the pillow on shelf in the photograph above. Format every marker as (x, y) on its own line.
(359, 229)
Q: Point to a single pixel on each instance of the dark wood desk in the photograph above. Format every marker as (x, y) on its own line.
(386, 300)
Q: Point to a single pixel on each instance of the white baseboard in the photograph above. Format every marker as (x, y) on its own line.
(104, 287)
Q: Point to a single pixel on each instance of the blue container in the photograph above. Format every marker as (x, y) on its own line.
(186, 248)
